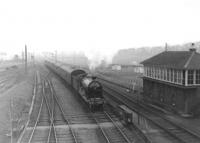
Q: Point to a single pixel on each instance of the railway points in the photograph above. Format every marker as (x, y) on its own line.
(60, 115)
(51, 114)
(93, 118)
(180, 133)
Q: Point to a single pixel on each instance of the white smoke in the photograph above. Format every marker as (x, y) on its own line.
(96, 58)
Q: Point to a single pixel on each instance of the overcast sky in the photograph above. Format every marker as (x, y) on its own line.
(102, 26)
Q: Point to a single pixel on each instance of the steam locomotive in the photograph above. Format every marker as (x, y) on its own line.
(89, 89)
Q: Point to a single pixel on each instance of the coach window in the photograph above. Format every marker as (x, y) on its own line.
(197, 76)
(190, 77)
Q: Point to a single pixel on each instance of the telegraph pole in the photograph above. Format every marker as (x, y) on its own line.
(25, 59)
(166, 46)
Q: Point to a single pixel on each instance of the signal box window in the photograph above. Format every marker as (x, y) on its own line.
(197, 76)
(190, 77)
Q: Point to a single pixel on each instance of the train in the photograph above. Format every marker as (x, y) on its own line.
(86, 85)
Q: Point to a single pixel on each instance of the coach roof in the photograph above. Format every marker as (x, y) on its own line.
(73, 71)
(175, 59)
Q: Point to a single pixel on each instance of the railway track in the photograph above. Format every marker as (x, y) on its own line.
(36, 135)
(179, 133)
(50, 123)
(104, 121)
(45, 128)
(48, 96)
(39, 129)
(4, 81)
(113, 134)
(70, 135)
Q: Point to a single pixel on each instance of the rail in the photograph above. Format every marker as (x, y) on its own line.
(50, 111)
(141, 134)
(139, 104)
(31, 108)
(34, 128)
(63, 114)
(125, 137)
(103, 132)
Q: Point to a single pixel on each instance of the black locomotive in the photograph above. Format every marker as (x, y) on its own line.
(90, 90)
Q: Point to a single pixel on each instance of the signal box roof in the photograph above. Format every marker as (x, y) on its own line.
(175, 59)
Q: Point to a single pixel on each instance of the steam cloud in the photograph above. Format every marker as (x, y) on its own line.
(96, 59)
